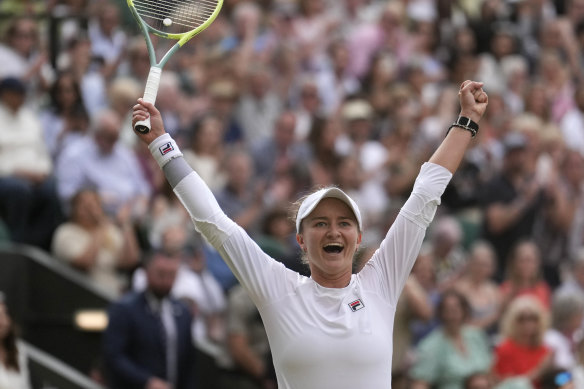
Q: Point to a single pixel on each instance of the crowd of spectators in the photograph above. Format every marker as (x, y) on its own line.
(279, 96)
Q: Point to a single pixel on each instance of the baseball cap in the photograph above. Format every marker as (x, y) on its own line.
(514, 141)
(12, 84)
(357, 110)
(315, 198)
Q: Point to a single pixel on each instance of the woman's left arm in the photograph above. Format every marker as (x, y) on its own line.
(473, 103)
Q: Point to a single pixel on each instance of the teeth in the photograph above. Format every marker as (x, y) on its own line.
(333, 247)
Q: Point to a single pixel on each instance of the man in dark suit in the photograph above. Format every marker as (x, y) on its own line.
(148, 344)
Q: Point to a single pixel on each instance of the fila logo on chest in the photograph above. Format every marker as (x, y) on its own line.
(356, 305)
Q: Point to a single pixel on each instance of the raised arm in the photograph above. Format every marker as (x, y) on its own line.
(473, 102)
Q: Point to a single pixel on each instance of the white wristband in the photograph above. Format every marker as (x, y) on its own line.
(164, 149)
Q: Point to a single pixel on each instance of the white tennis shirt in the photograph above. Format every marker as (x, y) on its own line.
(324, 337)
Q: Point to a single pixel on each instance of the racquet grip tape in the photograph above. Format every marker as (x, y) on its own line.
(163, 149)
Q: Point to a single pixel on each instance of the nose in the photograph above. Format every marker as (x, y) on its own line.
(333, 231)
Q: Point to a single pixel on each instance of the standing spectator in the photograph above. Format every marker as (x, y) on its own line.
(522, 355)
(452, 351)
(510, 200)
(101, 162)
(94, 244)
(148, 342)
(28, 201)
(13, 362)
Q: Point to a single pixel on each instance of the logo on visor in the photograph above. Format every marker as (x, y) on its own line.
(356, 305)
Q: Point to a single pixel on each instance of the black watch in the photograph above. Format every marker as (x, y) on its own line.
(467, 124)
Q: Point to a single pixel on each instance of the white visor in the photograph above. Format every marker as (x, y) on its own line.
(314, 199)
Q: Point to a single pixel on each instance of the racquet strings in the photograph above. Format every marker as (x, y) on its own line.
(185, 15)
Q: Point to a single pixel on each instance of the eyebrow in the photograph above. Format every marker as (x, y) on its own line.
(314, 218)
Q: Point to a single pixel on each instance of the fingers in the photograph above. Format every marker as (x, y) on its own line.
(476, 89)
(471, 85)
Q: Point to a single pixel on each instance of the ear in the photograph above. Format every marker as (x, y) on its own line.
(359, 238)
(300, 240)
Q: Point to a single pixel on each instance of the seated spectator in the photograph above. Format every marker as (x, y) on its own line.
(522, 356)
(452, 351)
(13, 363)
(574, 281)
(482, 292)
(241, 199)
(248, 344)
(91, 242)
(22, 55)
(566, 329)
(447, 250)
(206, 153)
(148, 341)
(480, 380)
(425, 274)
(28, 201)
(413, 305)
(524, 275)
(100, 161)
(277, 239)
(65, 119)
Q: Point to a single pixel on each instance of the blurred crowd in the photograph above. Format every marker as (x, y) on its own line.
(277, 97)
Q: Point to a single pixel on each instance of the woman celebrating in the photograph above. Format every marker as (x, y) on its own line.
(334, 329)
(13, 367)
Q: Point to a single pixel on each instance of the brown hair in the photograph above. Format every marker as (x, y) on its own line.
(9, 344)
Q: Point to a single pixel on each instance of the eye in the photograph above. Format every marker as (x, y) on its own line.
(320, 224)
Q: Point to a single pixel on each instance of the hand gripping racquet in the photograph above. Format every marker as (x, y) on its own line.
(171, 19)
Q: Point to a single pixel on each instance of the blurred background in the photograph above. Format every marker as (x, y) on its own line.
(275, 98)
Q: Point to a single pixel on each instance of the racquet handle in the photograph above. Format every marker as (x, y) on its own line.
(150, 92)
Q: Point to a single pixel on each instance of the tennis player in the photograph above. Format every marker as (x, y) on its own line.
(334, 329)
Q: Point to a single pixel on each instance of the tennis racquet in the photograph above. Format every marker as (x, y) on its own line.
(171, 19)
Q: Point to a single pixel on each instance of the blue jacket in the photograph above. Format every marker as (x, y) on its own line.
(133, 344)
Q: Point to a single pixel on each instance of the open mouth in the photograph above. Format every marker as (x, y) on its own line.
(333, 248)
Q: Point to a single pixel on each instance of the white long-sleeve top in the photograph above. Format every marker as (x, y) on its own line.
(323, 337)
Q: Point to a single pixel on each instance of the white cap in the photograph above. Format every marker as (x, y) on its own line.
(314, 199)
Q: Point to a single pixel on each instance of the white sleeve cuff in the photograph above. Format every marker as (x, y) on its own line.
(163, 149)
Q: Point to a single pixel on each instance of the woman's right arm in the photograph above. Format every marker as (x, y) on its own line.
(252, 267)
